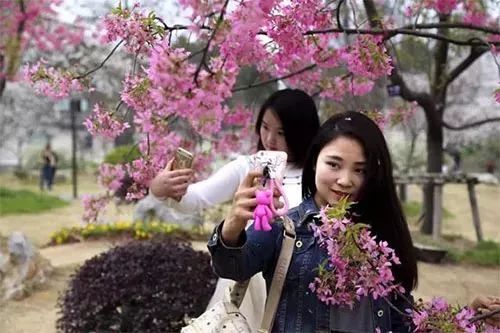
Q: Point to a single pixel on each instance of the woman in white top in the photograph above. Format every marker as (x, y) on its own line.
(287, 121)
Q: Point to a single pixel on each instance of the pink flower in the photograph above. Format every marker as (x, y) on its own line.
(111, 176)
(102, 122)
(357, 265)
(93, 206)
(51, 82)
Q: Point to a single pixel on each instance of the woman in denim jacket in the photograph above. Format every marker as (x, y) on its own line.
(349, 156)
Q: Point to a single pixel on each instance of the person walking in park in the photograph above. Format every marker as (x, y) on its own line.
(49, 164)
(349, 157)
(287, 121)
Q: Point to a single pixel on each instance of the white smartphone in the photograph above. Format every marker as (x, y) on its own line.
(275, 161)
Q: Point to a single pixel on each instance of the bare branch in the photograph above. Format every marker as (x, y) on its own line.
(389, 33)
(452, 25)
(470, 125)
(207, 47)
(102, 63)
(475, 53)
(339, 24)
(263, 83)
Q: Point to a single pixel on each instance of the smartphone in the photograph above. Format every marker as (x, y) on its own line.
(183, 159)
(274, 161)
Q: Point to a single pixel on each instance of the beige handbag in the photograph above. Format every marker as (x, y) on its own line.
(225, 315)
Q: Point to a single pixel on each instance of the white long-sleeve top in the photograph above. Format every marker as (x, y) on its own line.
(221, 186)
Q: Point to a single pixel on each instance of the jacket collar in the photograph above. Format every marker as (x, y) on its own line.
(307, 210)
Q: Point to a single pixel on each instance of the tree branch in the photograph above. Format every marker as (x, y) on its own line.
(102, 63)
(263, 83)
(475, 53)
(389, 33)
(438, 86)
(207, 47)
(339, 24)
(469, 125)
(452, 25)
(4, 61)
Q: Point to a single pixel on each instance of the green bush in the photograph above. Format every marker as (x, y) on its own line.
(486, 253)
(23, 201)
(21, 174)
(122, 154)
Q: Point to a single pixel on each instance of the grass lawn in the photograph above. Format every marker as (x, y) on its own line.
(24, 201)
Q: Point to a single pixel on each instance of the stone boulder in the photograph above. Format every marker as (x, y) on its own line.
(149, 208)
(22, 268)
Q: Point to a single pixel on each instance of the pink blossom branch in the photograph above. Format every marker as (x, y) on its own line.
(397, 291)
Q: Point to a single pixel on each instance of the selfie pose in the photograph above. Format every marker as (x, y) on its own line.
(349, 157)
(287, 121)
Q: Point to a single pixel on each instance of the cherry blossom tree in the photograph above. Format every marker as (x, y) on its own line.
(31, 24)
(332, 49)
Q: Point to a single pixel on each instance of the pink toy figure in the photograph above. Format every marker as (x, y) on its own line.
(262, 213)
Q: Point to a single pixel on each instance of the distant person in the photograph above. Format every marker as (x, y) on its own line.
(49, 165)
(490, 166)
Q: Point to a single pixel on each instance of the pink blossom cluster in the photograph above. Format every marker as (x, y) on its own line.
(357, 264)
(142, 172)
(241, 42)
(497, 95)
(439, 316)
(368, 58)
(378, 117)
(401, 113)
(197, 95)
(441, 6)
(475, 12)
(202, 12)
(52, 82)
(93, 206)
(111, 176)
(102, 122)
(135, 28)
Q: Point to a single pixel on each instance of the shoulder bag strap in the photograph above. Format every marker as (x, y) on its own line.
(279, 275)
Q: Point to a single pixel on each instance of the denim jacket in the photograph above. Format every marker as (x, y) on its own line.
(299, 309)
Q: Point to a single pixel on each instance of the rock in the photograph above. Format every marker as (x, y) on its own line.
(20, 248)
(150, 208)
(22, 268)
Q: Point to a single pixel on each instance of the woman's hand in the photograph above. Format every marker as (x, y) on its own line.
(485, 304)
(171, 183)
(244, 203)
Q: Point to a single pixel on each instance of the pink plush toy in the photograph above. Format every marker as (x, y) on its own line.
(262, 213)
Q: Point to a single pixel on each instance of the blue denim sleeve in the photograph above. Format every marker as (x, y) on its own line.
(401, 322)
(256, 251)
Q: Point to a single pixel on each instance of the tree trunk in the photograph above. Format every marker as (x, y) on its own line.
(434, 165)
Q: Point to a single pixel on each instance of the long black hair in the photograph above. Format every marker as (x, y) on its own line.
(299, 117)
(377, 204)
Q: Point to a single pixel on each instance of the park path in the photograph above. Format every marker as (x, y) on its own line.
(38, 313)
